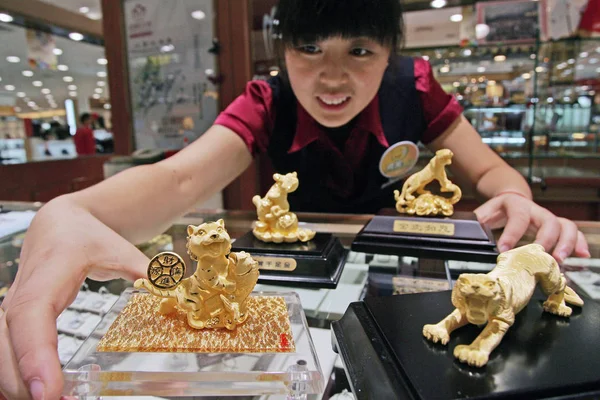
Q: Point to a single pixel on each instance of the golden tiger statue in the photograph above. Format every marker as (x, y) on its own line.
(427, 203)
(276, 223)
(215, 295)
(496, 297)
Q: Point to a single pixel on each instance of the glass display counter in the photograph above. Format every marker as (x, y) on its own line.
(364, 276)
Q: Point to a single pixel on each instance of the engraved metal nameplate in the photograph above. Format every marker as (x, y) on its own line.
(276, 263)
(425, 228)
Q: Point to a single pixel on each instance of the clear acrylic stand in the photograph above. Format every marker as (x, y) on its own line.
(296, 374)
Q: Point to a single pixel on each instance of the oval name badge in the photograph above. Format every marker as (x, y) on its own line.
(398, 160)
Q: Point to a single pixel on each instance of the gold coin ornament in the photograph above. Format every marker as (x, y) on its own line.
(166, 270)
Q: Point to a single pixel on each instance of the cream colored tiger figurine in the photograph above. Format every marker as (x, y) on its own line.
(215, 295)
(496, 297)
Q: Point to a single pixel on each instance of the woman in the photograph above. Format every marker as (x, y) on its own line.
(349, 97)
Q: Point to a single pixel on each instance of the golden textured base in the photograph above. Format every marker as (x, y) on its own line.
(140, 328)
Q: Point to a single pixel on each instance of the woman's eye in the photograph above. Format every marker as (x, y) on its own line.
(309, 49)
(360, 52)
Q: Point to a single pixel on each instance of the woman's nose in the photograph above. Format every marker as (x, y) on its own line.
(333, 73)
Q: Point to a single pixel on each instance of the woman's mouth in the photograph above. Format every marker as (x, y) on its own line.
(333, 103)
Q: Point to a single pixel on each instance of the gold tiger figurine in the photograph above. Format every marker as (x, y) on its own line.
(427, 203)
(276, 223)
(216, 294)
(496, 297)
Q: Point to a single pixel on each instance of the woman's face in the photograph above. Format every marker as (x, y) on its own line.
(335, 79)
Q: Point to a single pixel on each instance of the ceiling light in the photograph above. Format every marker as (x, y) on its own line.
(62, 67)
(467, 52)
(102, 61)
(68, 78)
(101, 83)
(5, 18)
(561, 66)
(593, 60)
(45, 91)
(500, 58)
(31, 103)
(540, 69)
(167, 48)
(37, 83)
(72, 87)
(571, 61)
(98, 90)
(107, 106)
(10, 88)
(76, 36)
(72, 94)
(481, 79)
(57, 51)
(27, 73)
(456, 84)
(13, 59)
(598, 70)
(480, 69)
(94, 15)
(584, 54)
(526, 75)
(549, 100)
(438, 3)
(21, 94)
(96, 96)
(84, 10)
(198, 14)
(209, 72)
(456, 18)
(481, 31)
(579, 67)
(426, 58)
(101, 74)
(445, 69)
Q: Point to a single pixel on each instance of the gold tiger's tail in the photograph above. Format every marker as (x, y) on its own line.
(157, 292)
(572, 298)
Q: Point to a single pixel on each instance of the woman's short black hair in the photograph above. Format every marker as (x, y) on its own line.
(307, 21)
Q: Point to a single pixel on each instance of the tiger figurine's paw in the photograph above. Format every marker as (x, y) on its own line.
(436, 334)
(473, 356)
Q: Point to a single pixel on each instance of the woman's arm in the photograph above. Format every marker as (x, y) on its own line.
(142, 201)
(508, 195)
(477, 164)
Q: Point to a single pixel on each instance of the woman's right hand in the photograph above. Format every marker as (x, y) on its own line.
(64, 245)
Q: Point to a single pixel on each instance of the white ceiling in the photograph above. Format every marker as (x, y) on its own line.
(95, 9)
(81, 58)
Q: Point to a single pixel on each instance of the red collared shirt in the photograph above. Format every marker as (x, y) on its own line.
(252, 117)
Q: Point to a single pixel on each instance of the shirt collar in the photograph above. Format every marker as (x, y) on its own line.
(308, 130)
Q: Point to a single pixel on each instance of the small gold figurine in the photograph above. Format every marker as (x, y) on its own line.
(427, 203)
(216, 295)
(276, 223)
(496, 297)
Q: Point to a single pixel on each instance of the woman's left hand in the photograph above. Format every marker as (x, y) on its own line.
(519, 215)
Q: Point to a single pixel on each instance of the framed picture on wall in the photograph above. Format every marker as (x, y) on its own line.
(516, 21)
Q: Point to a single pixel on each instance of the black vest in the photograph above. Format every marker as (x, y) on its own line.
(401, 117)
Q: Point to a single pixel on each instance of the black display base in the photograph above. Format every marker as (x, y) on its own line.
(386, 356)
(319, 262)
(470, 242)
